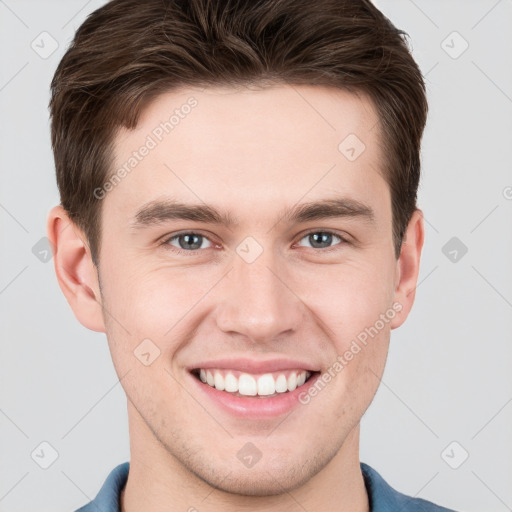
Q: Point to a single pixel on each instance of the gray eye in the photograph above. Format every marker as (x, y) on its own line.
(320, 239)
(188, 241)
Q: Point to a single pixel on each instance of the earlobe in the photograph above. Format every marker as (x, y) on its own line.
(408, 266)
(75, 270)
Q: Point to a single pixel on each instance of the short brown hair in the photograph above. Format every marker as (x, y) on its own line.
(128, 52)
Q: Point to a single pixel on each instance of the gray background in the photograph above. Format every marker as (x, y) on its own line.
(448, 375)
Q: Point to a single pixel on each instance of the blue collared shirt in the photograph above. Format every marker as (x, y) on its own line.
(382, 497)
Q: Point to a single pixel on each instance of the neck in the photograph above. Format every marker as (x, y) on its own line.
(159, 482)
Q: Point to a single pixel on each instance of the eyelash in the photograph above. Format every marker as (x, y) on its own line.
(196, 252)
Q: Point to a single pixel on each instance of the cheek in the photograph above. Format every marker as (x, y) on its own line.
(151, 301)
(152, 312)
(158, 303)
(356, 306)
(348, 297)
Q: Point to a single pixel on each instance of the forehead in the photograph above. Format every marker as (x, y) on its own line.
(268, 145)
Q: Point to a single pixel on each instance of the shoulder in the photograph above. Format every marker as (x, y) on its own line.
(107, 499)
(383, 498)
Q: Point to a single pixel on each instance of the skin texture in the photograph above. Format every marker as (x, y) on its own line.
(252, 152)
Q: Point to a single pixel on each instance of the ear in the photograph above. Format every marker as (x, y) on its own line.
(408, 266)
(76, 272)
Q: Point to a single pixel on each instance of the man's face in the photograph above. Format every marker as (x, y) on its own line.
(269, 287)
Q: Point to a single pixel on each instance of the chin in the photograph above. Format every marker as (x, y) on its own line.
(268, 477)
(252, 482)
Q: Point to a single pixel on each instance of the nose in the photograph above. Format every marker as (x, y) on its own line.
(258, 300)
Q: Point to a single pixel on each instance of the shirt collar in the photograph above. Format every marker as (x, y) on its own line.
(382, 497)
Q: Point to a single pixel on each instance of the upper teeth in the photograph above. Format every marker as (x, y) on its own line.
(251, 385)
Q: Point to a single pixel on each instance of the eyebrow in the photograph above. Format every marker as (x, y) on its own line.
(160, 211)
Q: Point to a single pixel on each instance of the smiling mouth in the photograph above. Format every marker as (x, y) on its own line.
(242, 384)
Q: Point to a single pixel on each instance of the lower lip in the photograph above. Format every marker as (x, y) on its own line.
(254, 407)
